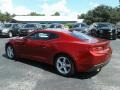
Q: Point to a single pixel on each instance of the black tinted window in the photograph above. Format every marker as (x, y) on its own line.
(52, 26)
(76, 25)
(83, 25)
(29, 26)
(58, 26)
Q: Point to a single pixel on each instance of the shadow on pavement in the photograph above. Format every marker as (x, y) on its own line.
(49, 68)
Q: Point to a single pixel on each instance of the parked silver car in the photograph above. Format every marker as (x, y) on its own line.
(81, 27)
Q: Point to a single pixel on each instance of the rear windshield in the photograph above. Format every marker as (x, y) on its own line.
(82, 36)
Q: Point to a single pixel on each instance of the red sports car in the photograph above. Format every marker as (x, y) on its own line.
(69, 52)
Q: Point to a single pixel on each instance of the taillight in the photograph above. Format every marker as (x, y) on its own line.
(97, 48)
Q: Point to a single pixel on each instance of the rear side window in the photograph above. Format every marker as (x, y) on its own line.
(43, 36)
(82, 36)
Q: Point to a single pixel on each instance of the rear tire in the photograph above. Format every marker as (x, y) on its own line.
(64, 65)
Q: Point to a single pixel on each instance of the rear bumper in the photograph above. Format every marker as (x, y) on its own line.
(94, 61)
(98, 66)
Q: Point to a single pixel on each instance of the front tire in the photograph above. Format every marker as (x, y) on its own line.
(10, 52)
(64, 65)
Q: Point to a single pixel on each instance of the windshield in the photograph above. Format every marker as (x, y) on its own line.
(82, 36)
(6, 25)
(103, 25)
(55, 26)
(82, 25)
(76, 25)
(29, 26)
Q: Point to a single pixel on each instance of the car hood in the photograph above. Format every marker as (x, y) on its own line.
(3, 28)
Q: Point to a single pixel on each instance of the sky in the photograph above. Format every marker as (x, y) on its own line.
(49, 7)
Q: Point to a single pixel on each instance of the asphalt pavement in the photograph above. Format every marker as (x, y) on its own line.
(30, 75)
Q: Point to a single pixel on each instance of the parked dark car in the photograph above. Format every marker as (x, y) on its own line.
(28, 28)
(9, 29)
(81, 27)
(103, 30)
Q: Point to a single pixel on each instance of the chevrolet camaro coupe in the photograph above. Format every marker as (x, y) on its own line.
(69, 52)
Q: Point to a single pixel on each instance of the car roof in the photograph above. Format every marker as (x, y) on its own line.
(33, 23)
(11, 23)
(55, 31)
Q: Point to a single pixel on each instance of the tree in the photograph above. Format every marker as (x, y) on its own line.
(36, 14)
(5, 17)
(102, 13)
(81, 16)
(56, 14)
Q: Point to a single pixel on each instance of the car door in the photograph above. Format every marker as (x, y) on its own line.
(38, 46)
(15, 29)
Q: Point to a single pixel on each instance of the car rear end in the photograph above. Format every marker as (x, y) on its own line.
(98, 55)
(93, 53)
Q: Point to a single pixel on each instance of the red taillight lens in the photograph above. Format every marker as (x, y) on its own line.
(97, 48)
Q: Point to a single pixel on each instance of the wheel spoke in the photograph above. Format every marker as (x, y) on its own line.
(64, 60)
(65, 69)
(60, 67)
(63, 65)
(68, 65)
(10, 52)
(59, 62)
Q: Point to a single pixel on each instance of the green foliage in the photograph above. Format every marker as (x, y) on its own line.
(5, 17)
(35, 14)
(69, 25)
(102, 13)
(56, 14)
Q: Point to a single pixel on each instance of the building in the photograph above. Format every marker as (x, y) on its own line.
(46, 19)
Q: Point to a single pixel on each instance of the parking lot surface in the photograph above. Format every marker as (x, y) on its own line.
(30, 75)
